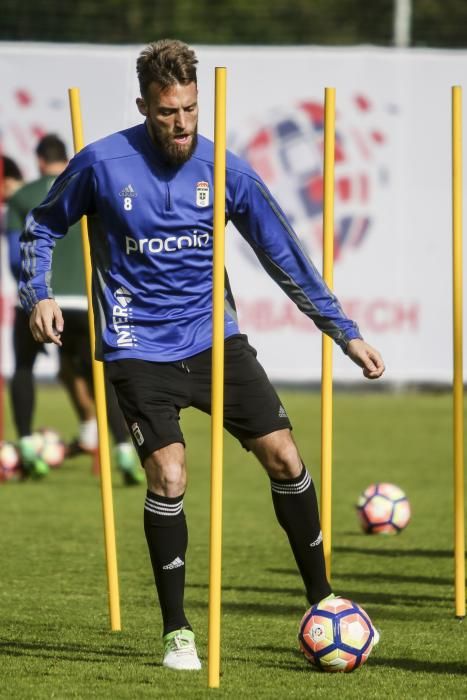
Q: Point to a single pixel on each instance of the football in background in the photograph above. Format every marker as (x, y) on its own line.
(383, 509)
(10, 462)
(51, 447)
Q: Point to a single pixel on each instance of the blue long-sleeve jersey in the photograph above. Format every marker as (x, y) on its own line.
(151, 239)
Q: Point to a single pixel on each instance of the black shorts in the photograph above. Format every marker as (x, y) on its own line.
(75, 342)
(151, 395)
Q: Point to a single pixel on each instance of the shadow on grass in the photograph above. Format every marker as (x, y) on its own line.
(412, 665)
(396, 552)
(373, 576)
(293, 659)
(247, 608)
(384, 598)
(393, 578)
(394, 598)
(381, 608)
(417, 666)
(65, 652)
(299, 591)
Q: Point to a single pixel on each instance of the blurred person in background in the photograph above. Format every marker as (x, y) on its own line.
(11, 178)
(148, 191)
(75, 365)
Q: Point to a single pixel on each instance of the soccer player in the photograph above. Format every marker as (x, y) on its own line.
(74, 357)
(148, 194)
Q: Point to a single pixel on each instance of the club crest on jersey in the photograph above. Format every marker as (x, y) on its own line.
(202, 194)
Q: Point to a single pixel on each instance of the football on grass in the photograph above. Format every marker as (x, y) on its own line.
(52, 448)
(336, 635)
(10, 467)
(383, 509)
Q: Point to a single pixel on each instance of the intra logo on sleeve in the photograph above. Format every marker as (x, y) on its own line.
(122, 318)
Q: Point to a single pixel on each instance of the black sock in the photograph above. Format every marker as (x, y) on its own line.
(22, 393)
(167, 538)
(296, 509)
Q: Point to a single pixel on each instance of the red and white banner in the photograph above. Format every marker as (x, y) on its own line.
(392, 179)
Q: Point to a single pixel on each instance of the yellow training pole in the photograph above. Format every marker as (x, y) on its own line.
(326, 366)
(458, 390)
(101, 407)
(217, 390)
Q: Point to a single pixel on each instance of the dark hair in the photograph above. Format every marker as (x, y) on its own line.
(10, 169)
(51, 149)
(167, 61)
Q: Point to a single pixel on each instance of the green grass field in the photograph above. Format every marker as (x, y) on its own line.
(55, 640)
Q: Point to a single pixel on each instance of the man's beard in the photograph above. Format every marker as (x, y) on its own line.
(171, 151)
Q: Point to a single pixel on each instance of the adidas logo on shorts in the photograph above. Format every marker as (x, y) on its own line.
(318, 540)
(282, 412)
(175, 564)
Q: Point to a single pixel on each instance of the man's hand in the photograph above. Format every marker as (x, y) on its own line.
(46, 322)
(366, 357)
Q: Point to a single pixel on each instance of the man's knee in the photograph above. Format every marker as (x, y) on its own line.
(166, 471)
(278, 454)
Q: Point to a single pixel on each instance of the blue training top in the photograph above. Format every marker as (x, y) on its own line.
(151, 238)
